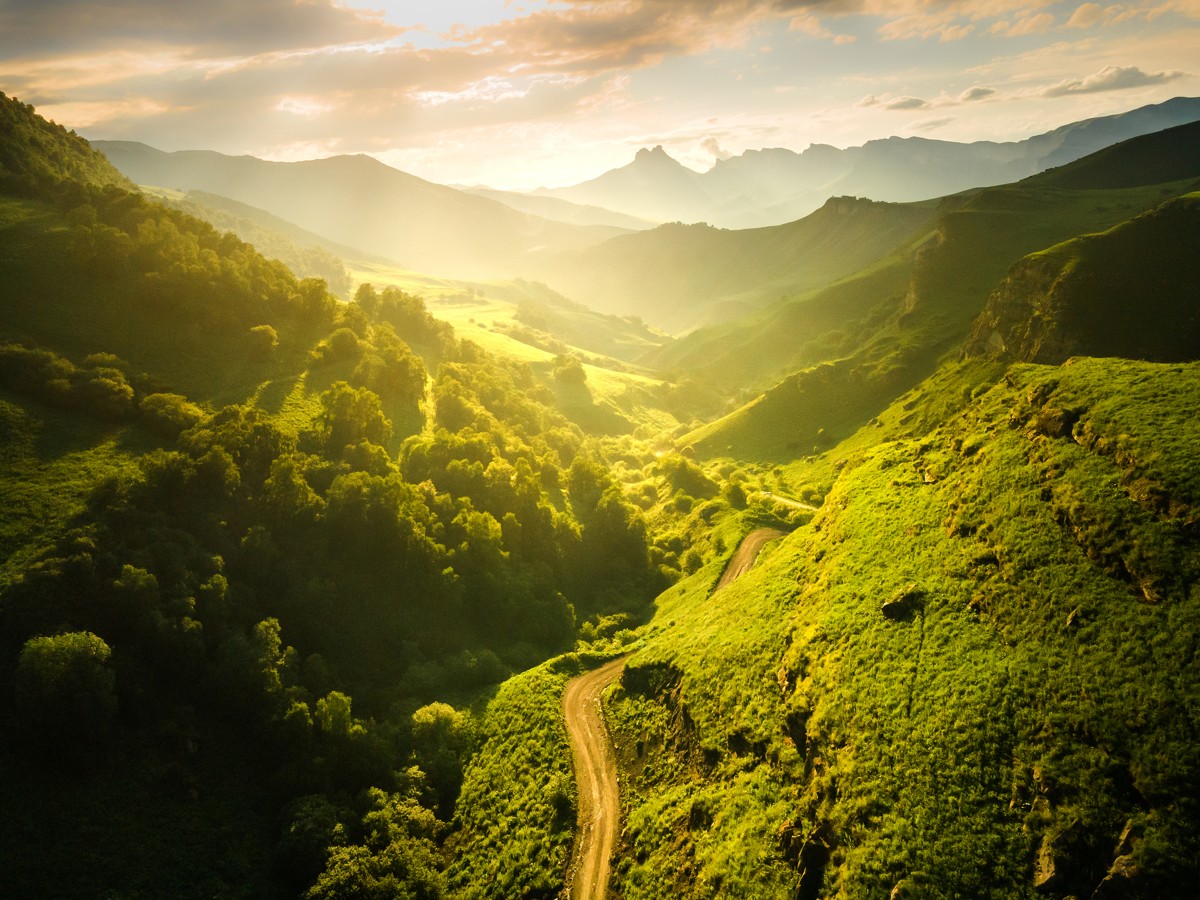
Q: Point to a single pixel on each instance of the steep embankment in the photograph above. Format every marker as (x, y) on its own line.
(1129, 291)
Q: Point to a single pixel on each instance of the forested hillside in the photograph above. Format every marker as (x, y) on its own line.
(257, 542)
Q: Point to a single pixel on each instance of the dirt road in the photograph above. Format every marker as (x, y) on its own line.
(596, 776)
(599, 815)
(746, 553)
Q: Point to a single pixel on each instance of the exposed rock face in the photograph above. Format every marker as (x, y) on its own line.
(1023, 316)
(1130, 292)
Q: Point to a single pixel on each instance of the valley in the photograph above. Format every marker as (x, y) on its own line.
(367, 537)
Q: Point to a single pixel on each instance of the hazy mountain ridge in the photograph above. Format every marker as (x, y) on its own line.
(559, 210)
(360, 202)
(679, 276)
(767, 187)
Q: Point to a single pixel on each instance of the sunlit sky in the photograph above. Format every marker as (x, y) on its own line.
(523, 93)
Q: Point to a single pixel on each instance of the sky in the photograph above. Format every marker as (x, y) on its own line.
(526, 93)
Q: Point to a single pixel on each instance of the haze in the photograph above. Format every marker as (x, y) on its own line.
(551, 92)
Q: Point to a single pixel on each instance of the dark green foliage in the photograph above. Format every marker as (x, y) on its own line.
(36, 155)
(515, 817)
(303, 252)
(65, 694)
(282, 586)
(396, 859)
(1129, 291)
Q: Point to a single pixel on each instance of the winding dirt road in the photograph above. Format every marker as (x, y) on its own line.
(596, 776)
(599, 815)
(747, 552)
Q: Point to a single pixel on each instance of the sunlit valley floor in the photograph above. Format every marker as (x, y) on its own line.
(302, 547)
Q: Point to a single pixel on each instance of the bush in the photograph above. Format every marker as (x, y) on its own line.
(65, 692)
(169, 414)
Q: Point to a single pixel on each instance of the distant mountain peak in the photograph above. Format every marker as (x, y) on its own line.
(657, 152)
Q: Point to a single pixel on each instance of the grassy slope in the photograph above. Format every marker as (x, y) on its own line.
(981, 236)
(50, 462)
(516, 815)
(618, 397)
(1035, 700)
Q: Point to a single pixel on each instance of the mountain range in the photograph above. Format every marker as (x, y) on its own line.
(592, 243)
(360, 202)
(773, 186)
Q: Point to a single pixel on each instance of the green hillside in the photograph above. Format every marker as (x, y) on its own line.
(1168, 155)
(1127, 291)
(36, 155)
(903, 329)
(679, 276)
(306, 254)
(968, 676)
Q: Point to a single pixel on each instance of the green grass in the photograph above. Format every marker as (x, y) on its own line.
(1035, 694)
(50, 463)
(515, 819)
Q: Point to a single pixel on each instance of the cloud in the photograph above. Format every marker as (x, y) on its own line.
(1110, 78)
(811, 25)
(1087, 15)
(975, 93)
(599, 36)
(906, 103)
(893, 103)
(951, 20)
(1027, 25)
(931, 124)
(943, 25)
(713, 147)
(215, 28)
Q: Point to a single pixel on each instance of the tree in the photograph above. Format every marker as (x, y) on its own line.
(349, 415)
(66, 692)
(262, 341)
(569, 370)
